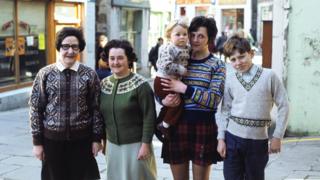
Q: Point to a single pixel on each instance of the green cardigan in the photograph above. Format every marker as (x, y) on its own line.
(128, 108)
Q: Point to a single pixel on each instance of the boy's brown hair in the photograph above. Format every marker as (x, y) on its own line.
(234, 43)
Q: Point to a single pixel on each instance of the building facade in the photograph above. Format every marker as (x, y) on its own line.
(231, 15)
(126, 19)
(296, 59)
(192, 8)
(27, 41)
(160, 16)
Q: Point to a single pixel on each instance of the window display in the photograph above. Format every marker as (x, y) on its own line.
(28, 44)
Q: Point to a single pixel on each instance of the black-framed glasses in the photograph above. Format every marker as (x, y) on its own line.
(66, 47)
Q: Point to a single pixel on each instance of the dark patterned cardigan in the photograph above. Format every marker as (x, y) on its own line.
(65, 105)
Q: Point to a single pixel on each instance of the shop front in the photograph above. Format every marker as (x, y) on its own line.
(22, 41)
(27, 35)
(129, 19)
(27, 38)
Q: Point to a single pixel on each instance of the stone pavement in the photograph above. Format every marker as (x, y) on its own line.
(299, 159)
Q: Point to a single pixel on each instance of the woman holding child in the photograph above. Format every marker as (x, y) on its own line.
(194, 137)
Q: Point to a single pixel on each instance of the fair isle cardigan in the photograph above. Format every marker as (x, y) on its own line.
(65, 105)
(128, 108)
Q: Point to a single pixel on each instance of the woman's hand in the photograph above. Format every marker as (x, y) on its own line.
(222, 148)
(144, 151)
(173, 85)
(38, 152)
(96, 147)
(171, 100)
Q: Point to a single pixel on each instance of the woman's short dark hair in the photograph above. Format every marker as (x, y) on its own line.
(70, 31)
(207, 22)
(123, 44)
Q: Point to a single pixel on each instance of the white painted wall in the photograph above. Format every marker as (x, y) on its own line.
(295, 58)
(279, 42)
(89, 29)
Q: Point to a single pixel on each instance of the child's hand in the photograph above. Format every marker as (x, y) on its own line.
(222, 148)
(275, 145)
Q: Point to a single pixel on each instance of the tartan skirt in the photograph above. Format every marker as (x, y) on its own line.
(194, 141)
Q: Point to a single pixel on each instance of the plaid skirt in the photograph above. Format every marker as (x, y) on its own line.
(194, 141)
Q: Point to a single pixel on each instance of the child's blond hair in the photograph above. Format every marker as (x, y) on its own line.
(181, 22)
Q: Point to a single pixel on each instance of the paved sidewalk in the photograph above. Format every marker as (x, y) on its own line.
(300, 157)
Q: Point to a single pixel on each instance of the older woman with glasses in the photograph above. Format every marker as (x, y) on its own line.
(67, 127)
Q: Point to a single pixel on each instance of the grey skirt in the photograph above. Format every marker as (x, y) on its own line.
(122, 163)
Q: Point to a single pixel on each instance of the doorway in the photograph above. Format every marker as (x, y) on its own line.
(267, 44)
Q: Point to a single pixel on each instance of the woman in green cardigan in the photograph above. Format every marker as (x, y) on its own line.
(128, 108)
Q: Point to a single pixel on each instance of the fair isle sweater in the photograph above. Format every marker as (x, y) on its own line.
(251, 95)
(64, 104)
(172, 61)
(205, 85)
(128, 108)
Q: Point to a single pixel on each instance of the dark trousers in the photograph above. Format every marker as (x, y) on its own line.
(69, 160)
(171, 115)
(246, 158)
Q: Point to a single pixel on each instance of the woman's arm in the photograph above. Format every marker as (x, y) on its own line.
(148, 110)
(37, 103)
(94, 105)
(174, 85)
(209, 97)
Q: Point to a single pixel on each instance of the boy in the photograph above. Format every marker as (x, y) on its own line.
(244, 116)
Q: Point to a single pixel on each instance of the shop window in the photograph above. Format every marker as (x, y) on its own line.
(201, 10)
(22, 41)
(7, 46)
(232, 20)
(130, 28)
(31, 41)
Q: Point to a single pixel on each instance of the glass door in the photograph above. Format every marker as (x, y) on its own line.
(67, 15)
(7, 43)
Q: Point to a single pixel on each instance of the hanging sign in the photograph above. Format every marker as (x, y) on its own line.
(9, 44)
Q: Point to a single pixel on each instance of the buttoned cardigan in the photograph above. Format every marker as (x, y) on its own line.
(128, 108)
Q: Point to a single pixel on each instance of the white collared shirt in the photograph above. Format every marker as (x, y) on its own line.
(248, 75)
(61, 67)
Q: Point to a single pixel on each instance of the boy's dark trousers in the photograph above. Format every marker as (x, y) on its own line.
(246, 159)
